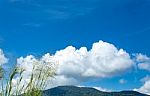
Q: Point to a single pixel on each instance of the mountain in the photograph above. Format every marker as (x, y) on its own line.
(86, 91)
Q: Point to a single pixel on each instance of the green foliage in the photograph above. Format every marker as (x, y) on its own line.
(85, 91)
(40, 75)
(1, 72)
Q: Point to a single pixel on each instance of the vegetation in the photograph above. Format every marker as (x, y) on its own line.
(85, 91)
(38, 79)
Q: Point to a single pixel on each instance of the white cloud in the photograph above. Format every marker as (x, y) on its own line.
(146, 78)
(78, 65)
(141, 58)
(3, 59)
(144, 66)
(143, 62)
(103, 60)
(122, 81)
(145, 88)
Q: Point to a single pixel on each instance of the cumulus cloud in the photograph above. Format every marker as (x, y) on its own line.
(103, 60)
(141, 58)
(3, 59)
(146, 86)
(143, 62)
(78, 65)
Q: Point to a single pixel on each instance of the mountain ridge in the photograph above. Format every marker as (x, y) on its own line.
(86, 91)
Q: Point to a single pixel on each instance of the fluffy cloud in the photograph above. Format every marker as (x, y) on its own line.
(3, 59)
(78, 65)
(143, 62)
(146, 86)
(103, 60)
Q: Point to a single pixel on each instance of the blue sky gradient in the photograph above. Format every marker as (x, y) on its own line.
(40, 26)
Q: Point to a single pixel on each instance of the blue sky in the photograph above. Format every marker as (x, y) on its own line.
(40, 26)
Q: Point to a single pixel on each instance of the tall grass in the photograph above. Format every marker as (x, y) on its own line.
(41, 73)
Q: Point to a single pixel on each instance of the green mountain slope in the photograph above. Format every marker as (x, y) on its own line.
(85, 91)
